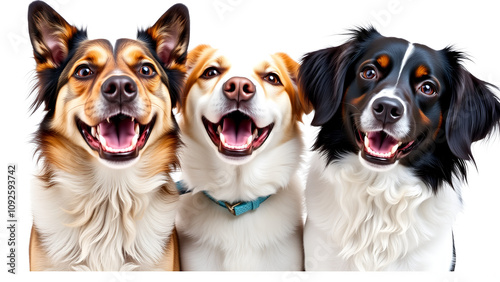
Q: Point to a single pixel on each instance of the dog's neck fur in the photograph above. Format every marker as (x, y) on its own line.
(104, 219)
(376, 218)
(203, 170)
(252, 241)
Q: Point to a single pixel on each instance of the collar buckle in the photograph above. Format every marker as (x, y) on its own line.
(230, 207)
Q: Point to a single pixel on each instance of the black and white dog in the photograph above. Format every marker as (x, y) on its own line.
(397, 122)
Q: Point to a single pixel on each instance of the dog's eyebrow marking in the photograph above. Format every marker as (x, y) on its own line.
(407, 55)
(421, 71)
(383, 61)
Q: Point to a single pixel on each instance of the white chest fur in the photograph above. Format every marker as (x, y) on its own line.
(360, 219)
(103, 219)
(268, 238)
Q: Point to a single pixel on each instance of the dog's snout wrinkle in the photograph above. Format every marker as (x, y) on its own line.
(239, 89)
(119, 89)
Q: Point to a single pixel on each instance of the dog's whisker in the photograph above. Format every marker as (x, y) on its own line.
(65, 113)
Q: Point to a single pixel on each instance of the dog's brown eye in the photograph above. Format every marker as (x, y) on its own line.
(272, 78)
(83, 71)
(369, 73)
(427, 89)
(210, 72)
(147, 70)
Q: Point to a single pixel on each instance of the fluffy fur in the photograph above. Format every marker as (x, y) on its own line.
(396, 124)
(270, 237)
(96, 205)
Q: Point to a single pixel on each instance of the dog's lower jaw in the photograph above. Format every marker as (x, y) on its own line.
(376, 167)
(119, 165)
(238, 160)
(235, 160)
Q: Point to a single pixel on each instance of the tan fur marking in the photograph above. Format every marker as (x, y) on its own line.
(439, 125)
(383, 61)
(421, 71)
(201, 52)
(424, 118)
(37, 255)
(289, 69)
(357, 101)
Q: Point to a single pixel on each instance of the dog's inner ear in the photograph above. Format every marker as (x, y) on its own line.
(170, 35)
(50, 34)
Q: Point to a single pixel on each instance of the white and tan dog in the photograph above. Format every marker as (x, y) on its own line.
(243, 147)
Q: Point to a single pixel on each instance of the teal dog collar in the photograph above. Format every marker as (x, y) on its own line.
(235, 209)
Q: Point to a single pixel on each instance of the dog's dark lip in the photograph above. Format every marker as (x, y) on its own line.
(398, 148)
(93, 139)
(252, 142)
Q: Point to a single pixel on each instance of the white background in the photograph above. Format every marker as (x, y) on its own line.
(285, 26)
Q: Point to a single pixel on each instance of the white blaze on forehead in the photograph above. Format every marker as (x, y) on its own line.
(407, 55)
(402, 127)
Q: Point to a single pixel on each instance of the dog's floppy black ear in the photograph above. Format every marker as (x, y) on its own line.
(321, 82)
(474, 109)
(323, 75)
(169, 36)
(50, 35)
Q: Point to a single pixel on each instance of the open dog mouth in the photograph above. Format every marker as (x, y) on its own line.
(236, 134)
(380, 148)
(117, 138)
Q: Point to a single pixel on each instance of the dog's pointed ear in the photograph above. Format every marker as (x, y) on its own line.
(50, 35)
(474, 109)
(323, 75)
(169, 36)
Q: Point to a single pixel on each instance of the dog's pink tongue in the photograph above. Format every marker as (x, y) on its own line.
(381, 142)
(118, 134)
(236, 134)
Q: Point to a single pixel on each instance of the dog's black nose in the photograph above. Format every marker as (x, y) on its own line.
(239, 89)
(119, 89)
(387, 110)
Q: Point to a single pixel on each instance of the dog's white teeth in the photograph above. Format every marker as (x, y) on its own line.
(107, 119)
(250, 140)
(137, 129)
(134, 141)
(93, 131)
(236, 147)
(255, 133)
(219, 129)
(98, 130)
(395, 148)
(132, 119)
(367, 142)
(103, 141)
(123, 150)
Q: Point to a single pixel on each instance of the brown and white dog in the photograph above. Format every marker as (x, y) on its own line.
(242, 148)
(104, 199)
